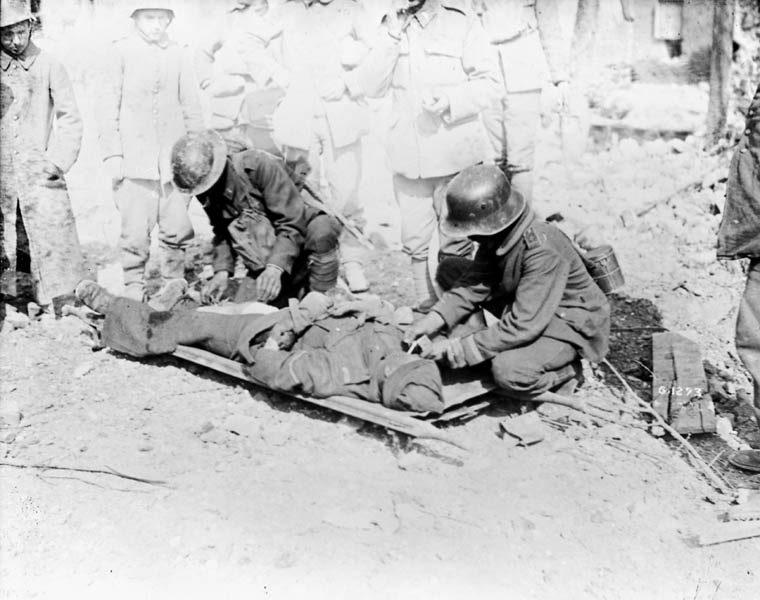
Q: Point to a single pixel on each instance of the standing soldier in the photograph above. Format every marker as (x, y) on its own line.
(148, 100)
(527, 37)
(739, 237)
(434, 58)
(323, 115)
(242, 97)
(34, 158)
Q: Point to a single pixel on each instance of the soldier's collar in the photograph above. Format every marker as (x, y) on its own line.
(162, 43)
(26, 59)
(517, 230)
(430, 9)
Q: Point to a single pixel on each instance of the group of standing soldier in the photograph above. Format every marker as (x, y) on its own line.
(287, 88)
(293, 79)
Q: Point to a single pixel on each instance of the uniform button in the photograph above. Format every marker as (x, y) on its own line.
(742, 151)
(15, 117)
(748, 132)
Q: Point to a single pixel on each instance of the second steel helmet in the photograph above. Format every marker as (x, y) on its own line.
(198, 160)
(480, 201)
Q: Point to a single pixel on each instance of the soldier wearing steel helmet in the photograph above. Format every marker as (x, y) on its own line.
(525, 270)
(35, 209)
(257, 214)
(148, 99)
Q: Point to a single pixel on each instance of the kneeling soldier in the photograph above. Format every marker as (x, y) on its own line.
(257, 213)
(527, 271)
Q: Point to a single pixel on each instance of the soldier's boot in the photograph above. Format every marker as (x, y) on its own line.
(424, 292)
(94, 296)
(323, 271)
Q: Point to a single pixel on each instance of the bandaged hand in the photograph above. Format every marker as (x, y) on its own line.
(428, 325)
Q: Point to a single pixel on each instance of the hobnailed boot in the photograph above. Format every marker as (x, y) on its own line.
(94, 296)
(424, 292)
(355, 278)
(323, 271)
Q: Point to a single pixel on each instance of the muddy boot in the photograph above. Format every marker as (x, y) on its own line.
(94, 296)
(169, 295)
(323, 271)
(355, 278)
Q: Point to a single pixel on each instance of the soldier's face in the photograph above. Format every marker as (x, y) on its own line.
(152, 23)
(15, 38)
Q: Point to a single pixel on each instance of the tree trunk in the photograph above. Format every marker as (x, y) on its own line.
(720, 70)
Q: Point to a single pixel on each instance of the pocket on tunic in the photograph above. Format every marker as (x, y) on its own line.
(253, 238)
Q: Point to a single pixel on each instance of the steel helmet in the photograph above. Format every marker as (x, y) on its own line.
(480, 201)
(198, 160)
(149, 5)
(14, 11)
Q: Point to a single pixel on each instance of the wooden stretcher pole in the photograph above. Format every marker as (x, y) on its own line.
(361, 409)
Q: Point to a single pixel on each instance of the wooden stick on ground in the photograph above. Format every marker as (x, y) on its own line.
(717, 481)
(109, 471)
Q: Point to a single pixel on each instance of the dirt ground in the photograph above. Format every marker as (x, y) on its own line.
(253, 495)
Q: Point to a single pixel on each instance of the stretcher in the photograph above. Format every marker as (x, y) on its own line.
(459, 391)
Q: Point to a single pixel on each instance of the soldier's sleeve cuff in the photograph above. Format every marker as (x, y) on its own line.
(472, 354)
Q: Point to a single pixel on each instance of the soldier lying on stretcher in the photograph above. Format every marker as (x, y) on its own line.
(317, 347)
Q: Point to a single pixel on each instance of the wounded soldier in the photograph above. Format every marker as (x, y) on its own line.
(316, 347)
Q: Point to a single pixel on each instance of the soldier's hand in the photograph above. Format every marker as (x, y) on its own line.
(52, 175)
(436, 104)
(115, 167)
(455, 354)
(269, 284)
(215, 288)
(428, 325)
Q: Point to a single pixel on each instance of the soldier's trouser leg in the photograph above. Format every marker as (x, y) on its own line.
(321, 252)
(136, 329)
(522, 118)
(421, 202)
(174, 231)
(535, 368)
(748, 328)
(57, 264)
(516, 123)
(342, 171)
(137, 201)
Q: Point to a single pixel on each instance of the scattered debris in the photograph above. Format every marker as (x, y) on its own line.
(527, 428)
(83, 369)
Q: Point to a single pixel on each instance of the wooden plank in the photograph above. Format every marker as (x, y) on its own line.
(679, 385)
(360, 409)
(663, 374)
(728, 532)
